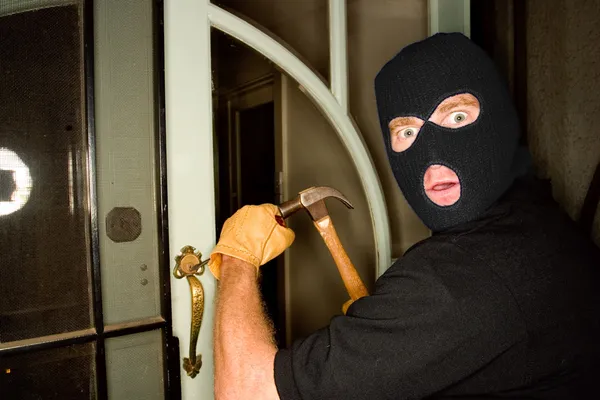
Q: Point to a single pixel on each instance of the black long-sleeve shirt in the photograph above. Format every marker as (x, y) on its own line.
(506, 306)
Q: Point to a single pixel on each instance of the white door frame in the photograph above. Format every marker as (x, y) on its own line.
(449, 16)
(190, 166)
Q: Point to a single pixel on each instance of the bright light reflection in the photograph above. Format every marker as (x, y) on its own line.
(10, 161)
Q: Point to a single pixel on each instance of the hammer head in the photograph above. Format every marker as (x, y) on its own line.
(313, 201)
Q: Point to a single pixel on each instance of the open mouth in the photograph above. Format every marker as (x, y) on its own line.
(441, 185)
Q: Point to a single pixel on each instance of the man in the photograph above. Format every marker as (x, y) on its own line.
(502, 301)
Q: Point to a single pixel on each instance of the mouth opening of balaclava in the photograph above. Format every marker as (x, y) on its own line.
(481, 154)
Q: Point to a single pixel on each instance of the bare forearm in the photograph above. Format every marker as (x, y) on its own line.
(244, 347)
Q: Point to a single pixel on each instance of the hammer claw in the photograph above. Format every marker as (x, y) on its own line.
(315, 194)
(313, 201)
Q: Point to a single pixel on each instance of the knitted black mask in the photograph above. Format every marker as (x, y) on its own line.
(482, 154)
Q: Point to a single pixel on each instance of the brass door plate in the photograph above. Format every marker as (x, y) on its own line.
(123, 224)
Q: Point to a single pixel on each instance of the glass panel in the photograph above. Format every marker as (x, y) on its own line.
(301, 24)
(63, 373)
(134, 366)
(44, 243)
(125, 136)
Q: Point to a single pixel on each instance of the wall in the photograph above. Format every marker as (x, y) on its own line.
(314, 155)
(563, 103)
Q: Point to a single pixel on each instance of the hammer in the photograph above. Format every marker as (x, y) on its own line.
(313, 201)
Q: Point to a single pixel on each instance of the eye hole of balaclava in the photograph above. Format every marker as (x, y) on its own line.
(440, 183)
(450, 128)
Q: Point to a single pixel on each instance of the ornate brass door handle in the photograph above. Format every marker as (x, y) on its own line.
(189, 264)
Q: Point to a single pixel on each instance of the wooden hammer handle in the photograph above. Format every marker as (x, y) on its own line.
(354, 285)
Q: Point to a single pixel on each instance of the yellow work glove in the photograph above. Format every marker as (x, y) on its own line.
(251, 234)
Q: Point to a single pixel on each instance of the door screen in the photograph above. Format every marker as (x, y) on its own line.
(84, 288)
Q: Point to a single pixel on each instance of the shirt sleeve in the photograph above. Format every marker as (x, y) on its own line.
(434, 318)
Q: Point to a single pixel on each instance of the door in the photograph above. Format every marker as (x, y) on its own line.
(84, 308)
(191, 148)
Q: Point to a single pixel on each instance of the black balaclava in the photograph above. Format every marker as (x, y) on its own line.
(483, 154)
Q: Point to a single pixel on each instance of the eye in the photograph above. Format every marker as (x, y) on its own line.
(408, 133)
(456, 111)
(403, 132)
(458, 117)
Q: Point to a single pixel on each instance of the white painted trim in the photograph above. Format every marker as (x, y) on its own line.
(285, 165)
(191, 210)
(449, 16)
(338, 52)
(331, 109)
(433, 17)
(467, 17)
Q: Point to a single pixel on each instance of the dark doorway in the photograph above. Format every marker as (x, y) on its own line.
(248, 150)
(257, 154)
(247, 177)
(256, 129)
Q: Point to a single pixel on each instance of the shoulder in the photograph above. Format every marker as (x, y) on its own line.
(439, 272)
(436, 260)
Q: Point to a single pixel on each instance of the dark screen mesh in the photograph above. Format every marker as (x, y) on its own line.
(45, 248)
(44, 245)
(65, 373)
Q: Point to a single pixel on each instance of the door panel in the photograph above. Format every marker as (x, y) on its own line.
(84, 278)
(135, 366)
